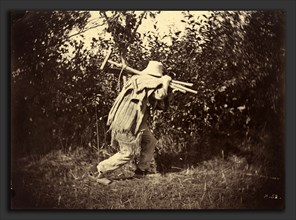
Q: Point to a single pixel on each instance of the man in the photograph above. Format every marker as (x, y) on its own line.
(128, 120)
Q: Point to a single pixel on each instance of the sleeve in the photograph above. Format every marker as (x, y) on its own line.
(160, 93)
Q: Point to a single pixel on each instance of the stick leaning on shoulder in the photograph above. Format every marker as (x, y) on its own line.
(175, 84)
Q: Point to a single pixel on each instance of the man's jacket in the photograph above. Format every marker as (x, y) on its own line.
(128, 110)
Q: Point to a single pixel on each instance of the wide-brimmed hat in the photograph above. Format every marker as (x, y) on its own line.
(154, 68)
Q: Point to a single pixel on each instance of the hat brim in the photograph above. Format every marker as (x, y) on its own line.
(152, 74)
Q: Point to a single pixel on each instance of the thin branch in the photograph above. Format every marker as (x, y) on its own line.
(92, 20)
(83, 31)
(139, 22)
(105, 15)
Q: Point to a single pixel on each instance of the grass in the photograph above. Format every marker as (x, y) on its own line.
(59, 181)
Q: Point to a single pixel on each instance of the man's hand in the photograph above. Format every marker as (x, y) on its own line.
(161, 93)
(166, 81)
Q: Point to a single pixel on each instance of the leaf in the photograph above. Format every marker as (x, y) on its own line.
(177, 33)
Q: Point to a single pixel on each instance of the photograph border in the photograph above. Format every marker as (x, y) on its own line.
(289, 6)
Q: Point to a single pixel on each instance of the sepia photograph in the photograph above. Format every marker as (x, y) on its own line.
(147, 110)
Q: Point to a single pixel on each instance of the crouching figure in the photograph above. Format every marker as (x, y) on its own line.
(129, 116)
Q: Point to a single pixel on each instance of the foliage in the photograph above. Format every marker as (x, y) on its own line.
(235, 81)
(60, 98)
(53, 96)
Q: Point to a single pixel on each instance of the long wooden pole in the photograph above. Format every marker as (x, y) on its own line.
(174, 84)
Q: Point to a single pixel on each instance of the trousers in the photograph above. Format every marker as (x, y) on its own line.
(144, 143)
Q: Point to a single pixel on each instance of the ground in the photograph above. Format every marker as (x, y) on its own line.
(59, 181)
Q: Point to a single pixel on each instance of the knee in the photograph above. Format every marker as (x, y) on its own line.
(128, 154)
